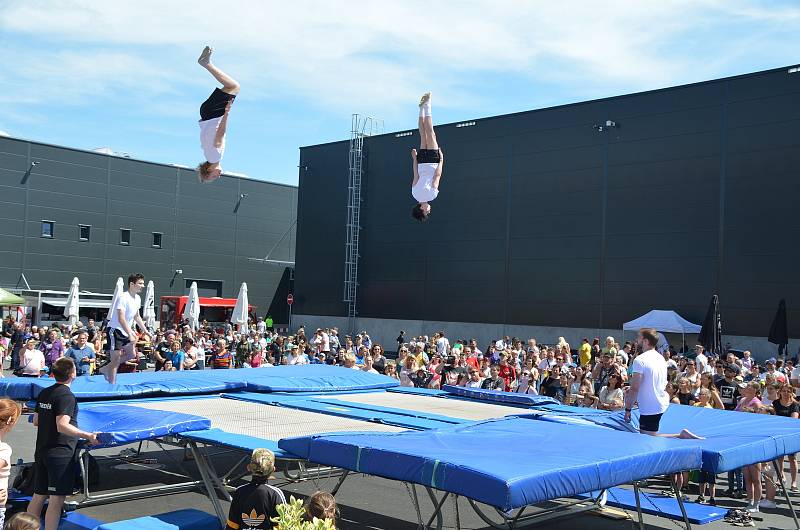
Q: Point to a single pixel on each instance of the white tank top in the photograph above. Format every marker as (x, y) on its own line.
(208, 134)
(424, 191)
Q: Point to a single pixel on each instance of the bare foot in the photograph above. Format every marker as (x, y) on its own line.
(426, 98)
(686, 434)
(205, 57)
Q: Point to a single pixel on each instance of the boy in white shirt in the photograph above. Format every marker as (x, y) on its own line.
(214, 119)
(121, 334)
(427, 163)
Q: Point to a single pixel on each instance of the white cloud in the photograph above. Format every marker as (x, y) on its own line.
(5, 133)
(380, 53)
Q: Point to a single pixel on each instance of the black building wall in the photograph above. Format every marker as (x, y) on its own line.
(202, 234)
(544, 220)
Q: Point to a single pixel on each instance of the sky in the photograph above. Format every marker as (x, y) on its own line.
(98, 73)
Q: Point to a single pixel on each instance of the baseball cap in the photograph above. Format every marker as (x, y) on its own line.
(733, 368)
(771, 360)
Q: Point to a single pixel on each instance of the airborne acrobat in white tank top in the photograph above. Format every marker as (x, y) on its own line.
(423, 190)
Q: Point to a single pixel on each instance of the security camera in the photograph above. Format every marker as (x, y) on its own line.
(242, 195)
(178, 271)
(34, 163)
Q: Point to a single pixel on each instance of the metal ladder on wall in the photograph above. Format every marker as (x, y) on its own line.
(359, 129)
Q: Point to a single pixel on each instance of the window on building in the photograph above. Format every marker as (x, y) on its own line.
(157, 239)
(47, 228)
(124, 236)
(86, 232)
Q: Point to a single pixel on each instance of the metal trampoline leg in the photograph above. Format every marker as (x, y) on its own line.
(437, 508)
(415, 499)
(786, 492)
(341, 481)
(680, 502)
(434, 500)
(84, 463)
(202, 467)
(458, 516)
(638, 505)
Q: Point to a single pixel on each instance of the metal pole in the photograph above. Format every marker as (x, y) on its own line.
(437, 508)
(207, 482)
(415, 498)
(341, 481)
(638, 505)
(680, 502)
(786, 492)
(432, 495)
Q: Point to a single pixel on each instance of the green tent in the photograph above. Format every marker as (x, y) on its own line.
(7, 298)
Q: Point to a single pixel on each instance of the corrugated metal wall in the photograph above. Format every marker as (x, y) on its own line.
(544, 220)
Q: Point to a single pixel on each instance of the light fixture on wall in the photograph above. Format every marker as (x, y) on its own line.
(242, 196)
(175, 275)
(28, 172)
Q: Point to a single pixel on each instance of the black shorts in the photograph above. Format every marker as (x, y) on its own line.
(116, 340)
(55, 475)
(214, 106)
(708, 477)
(428, 156)
(650, 422)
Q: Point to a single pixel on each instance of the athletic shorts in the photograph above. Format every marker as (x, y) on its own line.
(55, 475)
(116, 340)
(708, 477)
(428, 156)
(214, 106)
(650, 422)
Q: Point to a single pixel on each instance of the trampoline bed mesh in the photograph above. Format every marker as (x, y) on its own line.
(264, 421)
(455, 408)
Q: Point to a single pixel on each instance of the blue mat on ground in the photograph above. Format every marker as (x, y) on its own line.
(237, 441)
(77, 521)
(418, 391)
(347, 410)
(177, 520)
(498, 396)
(732, 439)
(122, 424)
(662, 506)
(306, 378)
(444, 420)
(481, 460)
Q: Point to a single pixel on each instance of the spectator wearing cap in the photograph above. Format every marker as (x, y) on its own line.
(474, 379)
(771, 370)
(728, 387)
(602, 371)
(421, 378)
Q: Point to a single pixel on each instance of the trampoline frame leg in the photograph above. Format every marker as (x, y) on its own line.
(680, 502)
(638, 504)
(340, 482)
(786, 495)
(415, 499)
(437, 508)
(434, 500)
(205, 473)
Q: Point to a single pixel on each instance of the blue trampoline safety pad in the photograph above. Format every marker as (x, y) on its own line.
(653, 504)
(306, 378)
(732, 439)
(177, 520)
(496, 396)
(578, 459)
(123, 424)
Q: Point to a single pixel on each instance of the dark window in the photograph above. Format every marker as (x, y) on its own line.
(86, 232)
(157, 239)
(206, 287)
(47, 228)
(124, 236)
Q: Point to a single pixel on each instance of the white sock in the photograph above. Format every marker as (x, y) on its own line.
(426, 110)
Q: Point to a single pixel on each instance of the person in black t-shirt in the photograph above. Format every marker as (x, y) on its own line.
(255, 503)
(56, 455)
(787, 406)
(728, 387)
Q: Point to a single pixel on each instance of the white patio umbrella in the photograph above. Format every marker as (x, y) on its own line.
(240, 310)
(192, 310)
(72, 306)
(117, 293)
(149, 312)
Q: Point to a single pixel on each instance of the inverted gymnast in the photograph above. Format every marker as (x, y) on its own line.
(214, 119)
(428, 163)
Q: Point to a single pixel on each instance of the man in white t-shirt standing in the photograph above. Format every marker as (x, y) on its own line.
(428, 163)
(649, 388)
(121, 335)
(214, 119)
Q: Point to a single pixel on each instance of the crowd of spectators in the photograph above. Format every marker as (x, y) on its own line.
(594, 374)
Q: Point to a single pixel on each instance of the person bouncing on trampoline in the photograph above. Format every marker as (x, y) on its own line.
(121, 331)
(214, 119)
(428, 163)
(649, 388)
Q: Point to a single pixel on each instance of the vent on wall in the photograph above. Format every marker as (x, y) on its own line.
(465, 124)
(794, 69)
(407, 133)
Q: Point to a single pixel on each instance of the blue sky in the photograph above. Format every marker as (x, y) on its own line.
(123, 75)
